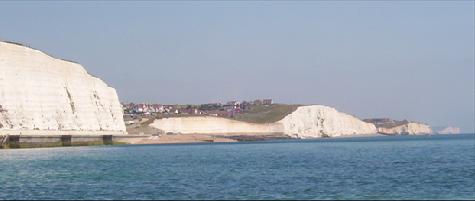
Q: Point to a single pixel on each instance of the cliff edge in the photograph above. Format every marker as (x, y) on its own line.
(42, 93)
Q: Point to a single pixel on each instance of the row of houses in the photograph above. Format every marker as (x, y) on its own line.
(214, 109)
(132, 108)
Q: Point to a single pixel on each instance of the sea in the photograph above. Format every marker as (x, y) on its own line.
(380, 167)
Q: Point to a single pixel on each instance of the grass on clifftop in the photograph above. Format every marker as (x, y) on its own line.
(266, 113)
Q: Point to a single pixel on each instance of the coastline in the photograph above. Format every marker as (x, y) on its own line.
(50, 140)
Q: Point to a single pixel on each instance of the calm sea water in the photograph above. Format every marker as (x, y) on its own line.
(386, 167)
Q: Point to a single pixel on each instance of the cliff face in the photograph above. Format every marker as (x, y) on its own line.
(39, 92)
(305, 122)
(212, 125)
(393, 127)
(322, 121)
(410, 128)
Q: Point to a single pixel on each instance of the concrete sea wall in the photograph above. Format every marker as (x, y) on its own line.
(33, 141)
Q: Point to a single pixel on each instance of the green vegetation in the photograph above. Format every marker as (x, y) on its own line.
(252, 114)
(14, 145)
(265, 113)
(386, 122)
(161, 116)
(149, 121)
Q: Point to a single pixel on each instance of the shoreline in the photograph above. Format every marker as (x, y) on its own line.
(50, 140)
(209, 138)
(18, 139)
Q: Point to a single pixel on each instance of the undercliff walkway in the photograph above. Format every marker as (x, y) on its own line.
(3, 141)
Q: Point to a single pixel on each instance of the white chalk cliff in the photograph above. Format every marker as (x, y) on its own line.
(306, 122)
(410, 128)
(39, 92)
(322, 121)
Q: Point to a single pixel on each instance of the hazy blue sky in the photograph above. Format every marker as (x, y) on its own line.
(411, 60)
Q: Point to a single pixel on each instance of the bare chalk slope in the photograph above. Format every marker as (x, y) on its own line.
(212, 125)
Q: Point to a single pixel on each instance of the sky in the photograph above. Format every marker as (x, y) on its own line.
(398, 59)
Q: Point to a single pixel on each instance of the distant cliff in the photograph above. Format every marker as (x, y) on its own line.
(42, 93)
(305, 122)
(449, 130)
(393, 127)
(323, 121)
